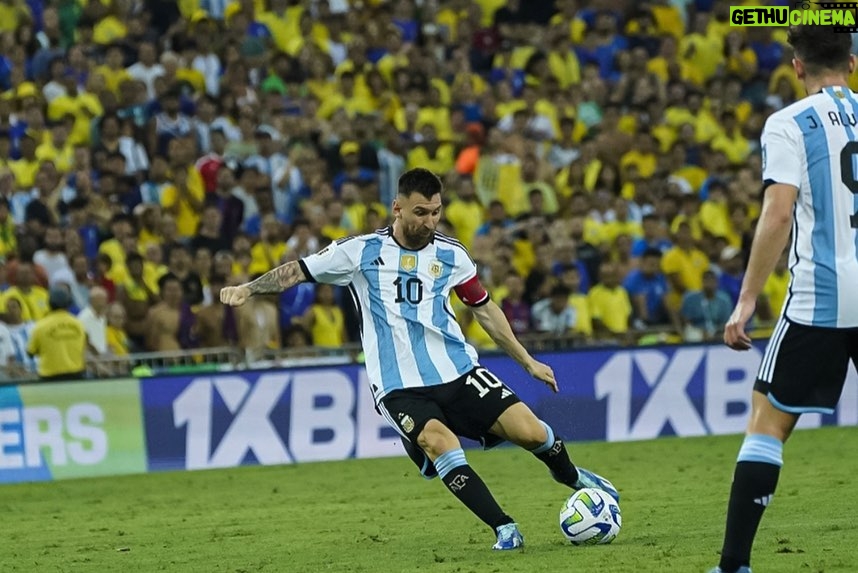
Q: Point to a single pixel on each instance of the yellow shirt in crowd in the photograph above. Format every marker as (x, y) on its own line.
(689, 264)
(59, 340)
(328, 324)
(612, 306)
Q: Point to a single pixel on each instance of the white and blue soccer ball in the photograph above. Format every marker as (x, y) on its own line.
(590, 517)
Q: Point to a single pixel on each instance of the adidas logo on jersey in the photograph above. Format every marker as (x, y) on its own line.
(379, 262)
(764, 501)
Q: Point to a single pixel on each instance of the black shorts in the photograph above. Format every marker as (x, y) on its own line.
(804, 367)
(469, 406)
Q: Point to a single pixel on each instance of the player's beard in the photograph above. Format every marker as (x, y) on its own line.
(418, 238)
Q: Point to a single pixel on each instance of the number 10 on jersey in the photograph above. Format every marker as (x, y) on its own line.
(410, 290)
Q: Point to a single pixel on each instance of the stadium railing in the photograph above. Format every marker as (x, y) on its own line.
(225, 359)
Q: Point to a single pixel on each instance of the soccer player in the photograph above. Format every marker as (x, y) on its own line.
(811, 188)
(426, 379)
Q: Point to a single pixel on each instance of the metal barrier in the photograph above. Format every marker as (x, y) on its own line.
(230, 358)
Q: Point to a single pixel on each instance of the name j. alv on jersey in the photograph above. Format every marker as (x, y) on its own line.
(837, 118)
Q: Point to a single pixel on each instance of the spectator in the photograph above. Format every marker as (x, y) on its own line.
(184, 201)
(705, 312)
(216, 324)
(571, 279)
(9, 367)
(52, 258)
(566, 257)
(58, 341)
(210, 236)
(94, 321)
(33, 298)
(268, 253)
(227, 201)
(516, 310)
(324, 319)
(352, 171)
(147, 68)
(732, 272)
(180, 267)
(164, 320)
(647, 287)
(136, 298)
(465, 213)
(775, 290)
(81, 281)
(554, 315)
(258, 326)
(20, 331)
(610, 306)
(653, 237)
(684, 263)
(302, 243)
(116, 337)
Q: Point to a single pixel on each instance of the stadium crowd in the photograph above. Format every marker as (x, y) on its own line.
(600, 158)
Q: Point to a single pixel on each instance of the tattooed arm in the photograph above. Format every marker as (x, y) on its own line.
(274, 281)
(277, 280)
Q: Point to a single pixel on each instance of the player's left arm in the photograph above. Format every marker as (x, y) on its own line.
(494, 322)
(771, 237)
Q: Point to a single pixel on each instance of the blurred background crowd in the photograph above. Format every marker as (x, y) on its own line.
(601, 160)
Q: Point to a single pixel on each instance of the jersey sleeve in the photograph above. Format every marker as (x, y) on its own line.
(781, 152)
(465, 280)
(336, 264)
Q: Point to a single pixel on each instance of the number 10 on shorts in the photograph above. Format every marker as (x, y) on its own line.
(484, 381)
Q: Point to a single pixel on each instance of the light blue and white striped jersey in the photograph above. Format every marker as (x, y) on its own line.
(410, 335)
(813, 145)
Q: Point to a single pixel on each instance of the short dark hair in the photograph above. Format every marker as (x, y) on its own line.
(559, 290)
(652, 252)
(820, 48)
(421, 181)
(169, 277)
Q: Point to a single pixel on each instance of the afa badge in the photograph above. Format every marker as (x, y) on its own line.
(436, 269)
(408, 262)
(406, 422)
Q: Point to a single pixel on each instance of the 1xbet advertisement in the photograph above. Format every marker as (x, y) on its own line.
(284, 416)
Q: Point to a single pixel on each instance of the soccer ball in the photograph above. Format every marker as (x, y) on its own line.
(590, 517)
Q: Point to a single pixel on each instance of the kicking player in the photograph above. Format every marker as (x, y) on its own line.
(811, 188)
(426, 379)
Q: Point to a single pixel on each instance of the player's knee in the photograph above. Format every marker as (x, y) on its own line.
(437, 439)
(533, 435)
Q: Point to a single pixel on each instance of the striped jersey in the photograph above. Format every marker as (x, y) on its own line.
(813, 145)
(410, 336)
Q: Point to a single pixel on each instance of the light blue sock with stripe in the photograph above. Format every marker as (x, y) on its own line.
(549, 441)
(448, 461)
(762, 448)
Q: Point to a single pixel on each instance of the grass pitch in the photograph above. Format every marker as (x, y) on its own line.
(379, 515)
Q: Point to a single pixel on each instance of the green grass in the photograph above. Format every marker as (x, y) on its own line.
(378, 515)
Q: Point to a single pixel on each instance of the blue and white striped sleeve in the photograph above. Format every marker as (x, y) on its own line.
(336, 264)
(782, 154)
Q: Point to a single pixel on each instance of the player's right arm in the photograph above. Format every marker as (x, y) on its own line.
(782, 177)
(274, 281)
(335, 264)
(493, 320)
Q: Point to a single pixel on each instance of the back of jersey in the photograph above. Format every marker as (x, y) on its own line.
(813, 145)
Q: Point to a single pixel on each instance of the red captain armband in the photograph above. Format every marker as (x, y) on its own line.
(472, 292)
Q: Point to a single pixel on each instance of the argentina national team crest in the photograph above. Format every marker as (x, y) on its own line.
(408, 262)
(406, 422)
(436, 268)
